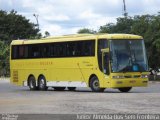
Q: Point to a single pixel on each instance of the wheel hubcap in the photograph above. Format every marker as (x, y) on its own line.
(42, 83)
(31, 84)
(96, 84)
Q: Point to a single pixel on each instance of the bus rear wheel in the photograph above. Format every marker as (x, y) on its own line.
(59, 88)
(71, 88)
(42, 83)
(32, 83)
(125, 89)
(94, 84)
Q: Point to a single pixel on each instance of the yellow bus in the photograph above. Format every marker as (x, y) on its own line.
(83, 60)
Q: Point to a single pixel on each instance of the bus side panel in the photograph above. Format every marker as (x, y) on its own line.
(65, 69)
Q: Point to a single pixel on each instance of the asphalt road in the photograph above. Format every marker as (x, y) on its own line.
(20, 100)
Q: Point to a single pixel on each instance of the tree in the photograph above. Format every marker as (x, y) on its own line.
(86, 30)
(123, 25)
(14, 26)
(108, 28)
(4, 58)
(144, 25)
(148, 27)
(4, 50)
(47, 34)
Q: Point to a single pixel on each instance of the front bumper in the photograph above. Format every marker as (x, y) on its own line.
(117, 83)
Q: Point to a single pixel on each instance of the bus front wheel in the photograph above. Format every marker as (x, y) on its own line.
(125, 89)
(32, 83)
(42, 83)
(94, 84)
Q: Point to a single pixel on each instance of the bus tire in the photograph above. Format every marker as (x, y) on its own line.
(59, 88)
(125, 89)
(71, 88)
(42, 83)
(94, 84)
(32, 83)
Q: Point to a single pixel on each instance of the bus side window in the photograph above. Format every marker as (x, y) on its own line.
(70, 48)
(62, 49)
(26, 52)
(52, 51)
(56, 50)
(21, 52)
(45, 51)
(88, 48)
(78, 48)
(14, 52)
(35, 51)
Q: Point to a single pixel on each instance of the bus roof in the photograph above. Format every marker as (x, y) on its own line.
(76, 37)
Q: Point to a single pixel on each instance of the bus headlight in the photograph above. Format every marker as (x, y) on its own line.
(144, 76)
(118, 77)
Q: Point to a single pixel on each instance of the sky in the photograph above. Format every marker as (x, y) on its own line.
(61, 17)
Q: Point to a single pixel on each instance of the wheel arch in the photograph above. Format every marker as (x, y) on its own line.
(90, 77)
(41, 75)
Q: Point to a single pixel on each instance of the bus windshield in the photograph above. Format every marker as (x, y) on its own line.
(128, 56)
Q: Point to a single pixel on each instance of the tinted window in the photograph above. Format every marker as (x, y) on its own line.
(102, 43)
(19, 52)
(88, 48)
(59, 49)
(34, 51)
(44, 50)
(14, 52)
(71, 48)
(26, 52)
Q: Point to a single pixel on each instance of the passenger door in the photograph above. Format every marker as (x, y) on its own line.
(105, 61)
